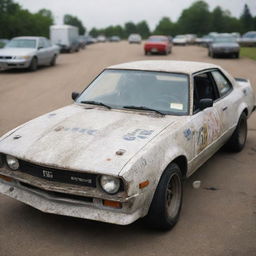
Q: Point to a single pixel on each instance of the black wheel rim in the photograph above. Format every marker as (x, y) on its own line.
(173, 196)
(242, 132)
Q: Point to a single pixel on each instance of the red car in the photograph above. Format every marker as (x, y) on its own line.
(158, 44)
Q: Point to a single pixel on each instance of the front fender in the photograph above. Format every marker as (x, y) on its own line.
(149, 165)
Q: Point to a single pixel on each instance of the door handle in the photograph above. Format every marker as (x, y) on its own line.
(224, 108)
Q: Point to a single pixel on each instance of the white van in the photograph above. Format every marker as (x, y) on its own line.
(65, 36)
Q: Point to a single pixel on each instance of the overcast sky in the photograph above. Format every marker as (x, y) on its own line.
(102, 13)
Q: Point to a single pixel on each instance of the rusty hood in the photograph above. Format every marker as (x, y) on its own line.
(84, 139)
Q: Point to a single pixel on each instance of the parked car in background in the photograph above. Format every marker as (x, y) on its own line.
(3, 42)
(191, 38)
(134, 39)
(114, 39)
(206, 41)
(90, 40)
(66, 37)
(101, 39)
(224, 44)
(28, 52)
(122, 150)
(82, 42)
(248, 39)
(180, 40)
(157, 44)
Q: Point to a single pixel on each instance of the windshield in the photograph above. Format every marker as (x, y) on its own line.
(164, 92)
(157, 39)
(224, 39)
(250, 35)
(180, 37)
(22, 43)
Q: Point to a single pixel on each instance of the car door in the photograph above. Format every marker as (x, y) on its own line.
(49, 50)
(206, 123)
(226, 102)
(42, 52)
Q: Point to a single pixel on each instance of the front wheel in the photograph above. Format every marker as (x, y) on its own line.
(238, 139)
(33, 65)
(53, 61)
(166, 205)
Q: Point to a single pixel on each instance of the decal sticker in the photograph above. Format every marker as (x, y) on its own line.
(202, 137)
(209, 132)
(177, 106)
(78, 130)
(188, 134)
(138, 133)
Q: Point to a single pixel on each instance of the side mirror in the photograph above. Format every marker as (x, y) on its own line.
(205, 103)
(74, 95)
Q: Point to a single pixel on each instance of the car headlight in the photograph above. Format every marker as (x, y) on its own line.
(12, 162)
(110, 184)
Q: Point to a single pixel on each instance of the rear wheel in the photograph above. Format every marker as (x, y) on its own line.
(238, 139)
(167, 201)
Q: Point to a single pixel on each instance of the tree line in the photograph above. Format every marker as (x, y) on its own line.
(196, 19)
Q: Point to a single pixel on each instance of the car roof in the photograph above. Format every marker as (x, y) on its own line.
(188, 67)
(27, 37)
(161, 36)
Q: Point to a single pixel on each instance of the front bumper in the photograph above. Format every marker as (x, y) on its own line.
(225, 51)
(10, 64)
(155, 49)
(55, 203)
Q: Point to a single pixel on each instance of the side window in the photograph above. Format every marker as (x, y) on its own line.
(222, 83)
(47, 43)
(203, 88)
(41, 43)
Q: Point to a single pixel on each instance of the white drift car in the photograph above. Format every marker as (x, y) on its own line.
(120, 152)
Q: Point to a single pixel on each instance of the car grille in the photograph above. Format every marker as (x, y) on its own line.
(58, 195)
(5, 57)
(57, 175)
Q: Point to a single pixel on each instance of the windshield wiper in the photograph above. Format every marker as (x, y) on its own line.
(95, 103)
(144, 108)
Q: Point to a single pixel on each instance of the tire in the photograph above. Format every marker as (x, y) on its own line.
(33, 65)
(166, 205)
(238, 139)
(53, 61)
(237, 55)
(146, 52)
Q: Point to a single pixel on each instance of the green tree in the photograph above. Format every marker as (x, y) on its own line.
(74, 21)
(246, 19)
(143, 29)
(15, 21)
(94, 32)
(164, 27)
(217, 22)
(130, 28)
(196, 19)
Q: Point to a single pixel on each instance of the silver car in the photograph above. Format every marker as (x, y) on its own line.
(224, 45)
(28, 52)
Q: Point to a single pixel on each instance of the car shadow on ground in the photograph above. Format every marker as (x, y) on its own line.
(24, 71)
